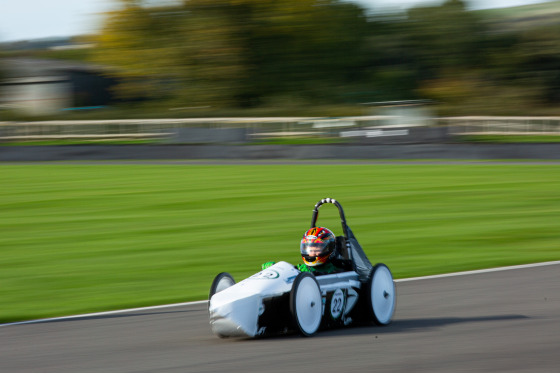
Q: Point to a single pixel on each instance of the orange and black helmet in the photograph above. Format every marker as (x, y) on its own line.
(317, 246)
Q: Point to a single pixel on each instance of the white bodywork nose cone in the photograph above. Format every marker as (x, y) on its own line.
(234, 317)
(235, 311)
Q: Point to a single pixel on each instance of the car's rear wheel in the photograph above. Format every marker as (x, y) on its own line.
(306, 304)
(220, 283)
(381, 295)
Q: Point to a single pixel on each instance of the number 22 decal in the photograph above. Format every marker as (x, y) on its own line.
(337, 304)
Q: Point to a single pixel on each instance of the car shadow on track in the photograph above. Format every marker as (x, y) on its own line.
(397, 326)
(418, 324)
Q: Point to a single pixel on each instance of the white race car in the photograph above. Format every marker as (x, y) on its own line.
(282, 299)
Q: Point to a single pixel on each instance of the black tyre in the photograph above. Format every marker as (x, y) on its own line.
(220, 283)
(380, 295)
(306, 304)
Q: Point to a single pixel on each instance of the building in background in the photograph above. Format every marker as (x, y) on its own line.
(43, 87)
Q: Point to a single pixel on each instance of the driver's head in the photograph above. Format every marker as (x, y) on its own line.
(317, 246)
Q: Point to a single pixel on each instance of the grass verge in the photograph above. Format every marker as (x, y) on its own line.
(87, 238)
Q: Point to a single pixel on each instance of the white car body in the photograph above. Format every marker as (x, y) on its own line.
(236, 310)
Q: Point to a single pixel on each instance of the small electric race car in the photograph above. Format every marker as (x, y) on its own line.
(281, 299)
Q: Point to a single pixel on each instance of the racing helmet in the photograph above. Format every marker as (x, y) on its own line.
(317, 246)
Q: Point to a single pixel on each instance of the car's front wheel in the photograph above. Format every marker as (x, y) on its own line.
(381, 295)
(306, 304)
(220, 283)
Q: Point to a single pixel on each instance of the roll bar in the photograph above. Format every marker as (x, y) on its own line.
(340, 211)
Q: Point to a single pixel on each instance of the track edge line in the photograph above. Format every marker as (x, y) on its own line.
(164, 306)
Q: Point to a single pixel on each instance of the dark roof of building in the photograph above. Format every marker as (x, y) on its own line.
(20, 67)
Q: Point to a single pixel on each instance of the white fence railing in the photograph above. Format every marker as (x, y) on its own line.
(501, 125)
(161, 128)
(267, 127)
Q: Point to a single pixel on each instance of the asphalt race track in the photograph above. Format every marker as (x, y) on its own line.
(499, 321)
(458, 151)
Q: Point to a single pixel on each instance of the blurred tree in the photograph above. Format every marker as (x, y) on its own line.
(209, 57)
(224, 52)
(253, 52)
(427, 46)
(2, 70)
(444, 38)
(171, 53)
(311, 48)
(388, 68)
(537, 62)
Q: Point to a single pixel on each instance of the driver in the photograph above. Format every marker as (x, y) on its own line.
(318, 249)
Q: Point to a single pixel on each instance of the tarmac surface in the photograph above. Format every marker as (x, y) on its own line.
(498, 321)
(526, 151)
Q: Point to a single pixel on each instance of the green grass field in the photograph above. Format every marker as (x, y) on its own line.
(86, 238)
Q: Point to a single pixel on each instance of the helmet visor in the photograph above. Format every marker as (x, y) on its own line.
(313, 248)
